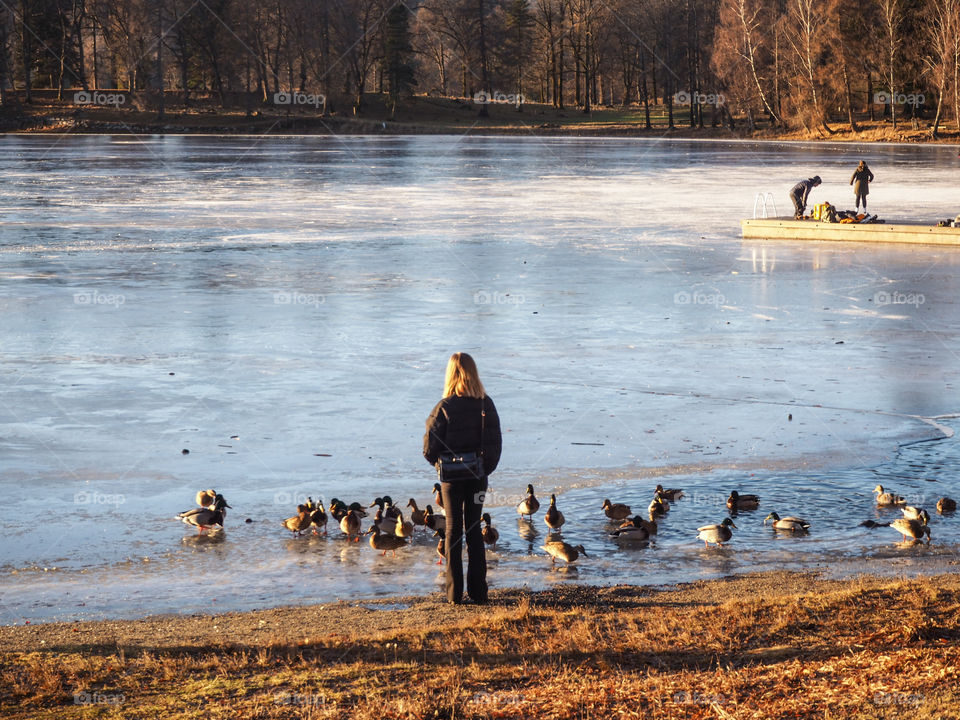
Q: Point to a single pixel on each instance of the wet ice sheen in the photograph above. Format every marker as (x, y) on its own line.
(305, 293)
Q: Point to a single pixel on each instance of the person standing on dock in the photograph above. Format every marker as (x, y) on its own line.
(862, 177)
(464, 422)
(800, 193)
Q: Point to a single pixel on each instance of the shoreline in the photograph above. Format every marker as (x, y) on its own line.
(761, 645)
(436, 116)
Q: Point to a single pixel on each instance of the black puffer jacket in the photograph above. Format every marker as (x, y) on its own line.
(454, 427)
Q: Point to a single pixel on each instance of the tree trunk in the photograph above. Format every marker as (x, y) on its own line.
(484, 73)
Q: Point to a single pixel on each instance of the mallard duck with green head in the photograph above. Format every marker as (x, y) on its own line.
(633, 530)
(205, 518)
(787, 524)
(717, 534)
(736, 501)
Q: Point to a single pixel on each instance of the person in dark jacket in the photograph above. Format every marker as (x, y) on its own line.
(455, 426)
(800, 193)
(862, 177)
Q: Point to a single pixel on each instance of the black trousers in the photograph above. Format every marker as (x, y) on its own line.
(463, 505)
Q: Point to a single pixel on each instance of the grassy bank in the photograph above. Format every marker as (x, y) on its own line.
(432, 115)
(763, 646)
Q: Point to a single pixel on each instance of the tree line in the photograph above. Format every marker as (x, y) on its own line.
(781, 63)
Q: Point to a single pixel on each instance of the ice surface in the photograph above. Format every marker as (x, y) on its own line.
(306, 292)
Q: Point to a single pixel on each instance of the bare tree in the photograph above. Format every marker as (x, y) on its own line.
(740, 52)
(944, 39)
(891, 13)
(807, 20)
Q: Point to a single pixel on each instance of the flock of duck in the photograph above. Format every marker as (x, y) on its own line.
(390, 530)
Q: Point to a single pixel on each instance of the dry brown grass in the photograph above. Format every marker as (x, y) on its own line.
(869, 648)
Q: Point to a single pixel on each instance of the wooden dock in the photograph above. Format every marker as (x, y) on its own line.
(790, 229)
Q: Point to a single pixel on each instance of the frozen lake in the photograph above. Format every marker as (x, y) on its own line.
(283, 308)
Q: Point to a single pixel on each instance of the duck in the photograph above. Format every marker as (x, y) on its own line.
(649, 525)
(204, 518)
(529, 505)
(402, 528)
(913, 513)
(911, 529)
(318, 517)
(442, 545)
(671, 494)
(558, 549)
(389, 509)
(886, 499)
(718, 534)
(299, 522)
(553, 517)
(385, 507)
(416, 514)
(385, 525)
(432, 520)
(383, 542)
(438, 495)
(736, 501)
(205, 498)
(946, 505)
(350, 525)
(338, 509)
(658, 506)
(632, 530)
(790, 524)
(616, 511)
(489, 533)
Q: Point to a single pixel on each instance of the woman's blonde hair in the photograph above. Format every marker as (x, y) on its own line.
(462, 377)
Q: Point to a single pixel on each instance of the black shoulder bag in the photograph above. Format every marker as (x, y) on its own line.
(455, 467)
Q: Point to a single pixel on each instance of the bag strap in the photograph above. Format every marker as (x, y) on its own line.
(483, 418)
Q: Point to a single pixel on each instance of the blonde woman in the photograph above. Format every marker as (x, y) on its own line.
(464, 421)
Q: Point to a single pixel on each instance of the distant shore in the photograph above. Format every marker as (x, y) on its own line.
(435, 116)
(763, 645)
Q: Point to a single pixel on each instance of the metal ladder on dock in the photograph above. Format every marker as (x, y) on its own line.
(760, 205)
